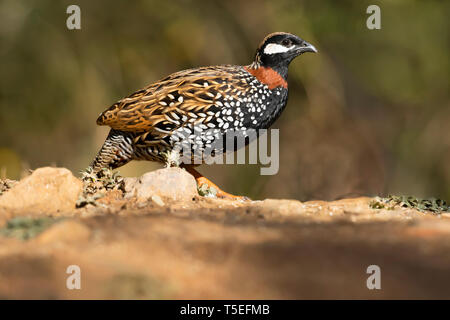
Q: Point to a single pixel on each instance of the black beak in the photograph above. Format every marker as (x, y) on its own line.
(306, 47)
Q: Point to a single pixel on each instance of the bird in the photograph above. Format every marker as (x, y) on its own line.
(200, 107)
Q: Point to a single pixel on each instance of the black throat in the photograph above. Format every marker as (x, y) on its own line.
(282, 70)
(276, 63)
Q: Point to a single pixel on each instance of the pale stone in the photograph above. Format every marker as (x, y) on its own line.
(168, 183)
(47, 190)
(157, 199)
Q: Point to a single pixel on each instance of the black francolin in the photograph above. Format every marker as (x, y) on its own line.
(196, 109)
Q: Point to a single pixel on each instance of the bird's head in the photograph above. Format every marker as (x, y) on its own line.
(278, 49)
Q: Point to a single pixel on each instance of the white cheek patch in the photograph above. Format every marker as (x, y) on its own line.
(273, 48)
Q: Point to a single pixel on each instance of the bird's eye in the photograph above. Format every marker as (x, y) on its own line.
(286, 42)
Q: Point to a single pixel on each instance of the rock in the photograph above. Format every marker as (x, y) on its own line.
(170, 183)
(66, 231)
(6, 184)
(130, 186)
(47, 190)
(157, 199)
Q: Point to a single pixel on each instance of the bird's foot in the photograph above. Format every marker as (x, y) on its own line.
(207, 187)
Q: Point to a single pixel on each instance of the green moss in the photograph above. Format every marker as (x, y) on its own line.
(424, 205)
(206, 191)
(96, 185)
(25, 228)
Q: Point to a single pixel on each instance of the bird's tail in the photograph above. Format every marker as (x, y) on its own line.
(116, 151)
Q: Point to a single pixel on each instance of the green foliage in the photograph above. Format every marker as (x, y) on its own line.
(25, 228)
(424, 205)
(205, 191)
(95, 185)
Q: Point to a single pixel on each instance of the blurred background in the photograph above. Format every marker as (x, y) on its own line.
(368, 115)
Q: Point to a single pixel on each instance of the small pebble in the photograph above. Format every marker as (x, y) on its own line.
(157, 199)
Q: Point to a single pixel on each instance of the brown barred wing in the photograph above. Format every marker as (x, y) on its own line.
(191, 96)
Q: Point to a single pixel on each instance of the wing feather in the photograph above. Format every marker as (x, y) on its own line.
(160, 107)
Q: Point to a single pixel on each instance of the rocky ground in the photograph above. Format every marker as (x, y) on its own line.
(155, 237)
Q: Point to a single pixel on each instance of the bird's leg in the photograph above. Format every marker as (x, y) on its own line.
(201, 180)
(116, 151)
